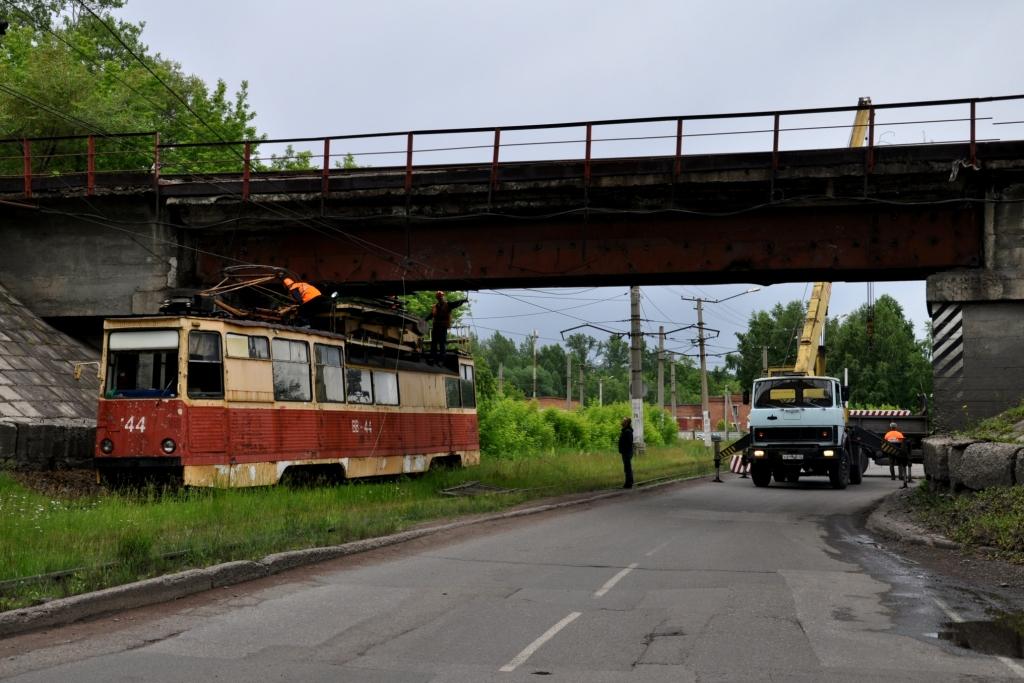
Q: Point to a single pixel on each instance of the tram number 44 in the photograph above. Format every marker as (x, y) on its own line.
(364, 426)
(135, 425)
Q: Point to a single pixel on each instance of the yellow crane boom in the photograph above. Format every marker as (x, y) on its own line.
(810, 355)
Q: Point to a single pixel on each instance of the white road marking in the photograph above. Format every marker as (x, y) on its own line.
(535, 645)
(614, 580)
(953, 616)
(656, 549)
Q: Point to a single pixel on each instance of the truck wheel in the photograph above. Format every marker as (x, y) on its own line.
(761, 474)
(865, 459)
(856, 473)
(839, 473)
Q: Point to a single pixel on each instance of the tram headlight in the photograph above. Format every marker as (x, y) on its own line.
(107, 446)
(168, 446)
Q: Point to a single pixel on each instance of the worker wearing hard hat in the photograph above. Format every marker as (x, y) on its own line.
(895, 437)
(306, 295)
(441, 315)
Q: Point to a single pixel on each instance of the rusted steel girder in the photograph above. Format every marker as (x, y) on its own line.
(856, 242)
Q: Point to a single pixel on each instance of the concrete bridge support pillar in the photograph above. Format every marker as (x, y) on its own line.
(978, 322)
(71, 260)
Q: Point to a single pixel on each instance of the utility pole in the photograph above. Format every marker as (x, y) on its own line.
(661, 367)
(764, 361)
(636, 382)
(706, 419)
(581, 383)
(501, 378)
(672, 375)
(600, 391)
(568, 381)
(703, 357)
(534, 338)
(725, 412)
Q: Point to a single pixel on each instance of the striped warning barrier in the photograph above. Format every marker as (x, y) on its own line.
(736, 465)
(879, 413)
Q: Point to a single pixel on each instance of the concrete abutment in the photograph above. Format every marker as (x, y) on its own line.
(978, 322)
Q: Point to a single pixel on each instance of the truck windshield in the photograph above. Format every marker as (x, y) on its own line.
(142, 364)
(793, 392)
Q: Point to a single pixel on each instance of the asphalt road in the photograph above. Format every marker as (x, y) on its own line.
(692, 582)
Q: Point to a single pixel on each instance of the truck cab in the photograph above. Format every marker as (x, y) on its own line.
(798, 428)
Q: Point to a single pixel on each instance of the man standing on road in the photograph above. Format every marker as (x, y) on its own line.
(896, 438)
(626, 451)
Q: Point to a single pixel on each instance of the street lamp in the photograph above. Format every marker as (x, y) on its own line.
(706, 417)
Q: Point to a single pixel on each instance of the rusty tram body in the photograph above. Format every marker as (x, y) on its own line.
(219, 402)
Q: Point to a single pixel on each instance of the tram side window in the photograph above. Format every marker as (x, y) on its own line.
(452, 393)
(205, 367)
(244, 346)
(385, 386)
(467, 386)
(142, 364)
(330, 382)
(358, 386)
(291, 370)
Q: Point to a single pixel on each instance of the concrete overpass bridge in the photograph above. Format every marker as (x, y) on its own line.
(107, 237)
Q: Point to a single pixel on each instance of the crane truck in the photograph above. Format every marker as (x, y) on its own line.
(798, 423)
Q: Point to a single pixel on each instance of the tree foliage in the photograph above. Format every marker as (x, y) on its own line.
(63, 73)
(606, 369)
(889, 368)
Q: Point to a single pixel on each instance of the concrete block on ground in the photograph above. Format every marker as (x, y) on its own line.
(230, 573)
(54, 444)
(936, 454)
(984, 465)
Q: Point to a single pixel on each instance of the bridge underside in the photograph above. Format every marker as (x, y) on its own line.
(764, 246)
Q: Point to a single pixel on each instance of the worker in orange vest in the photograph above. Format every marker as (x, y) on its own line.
(895, 437)
(306, 295)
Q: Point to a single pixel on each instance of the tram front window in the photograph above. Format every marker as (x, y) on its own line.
(142, 364)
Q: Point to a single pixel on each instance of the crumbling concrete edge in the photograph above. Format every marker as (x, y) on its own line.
(890, 520)
(189, 582)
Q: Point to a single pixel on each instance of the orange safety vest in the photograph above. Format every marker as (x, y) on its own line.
(307, 292)
(894, 436)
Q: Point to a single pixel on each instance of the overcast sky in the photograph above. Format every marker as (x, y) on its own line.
(328, 68)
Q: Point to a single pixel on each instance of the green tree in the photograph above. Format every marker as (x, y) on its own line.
(65, 72)
(778, 330)
(420, 303)
(889, 368)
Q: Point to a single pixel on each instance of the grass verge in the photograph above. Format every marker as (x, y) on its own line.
(992, 518)
(86, 544)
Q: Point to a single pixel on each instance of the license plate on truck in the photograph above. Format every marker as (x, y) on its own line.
(792, 456)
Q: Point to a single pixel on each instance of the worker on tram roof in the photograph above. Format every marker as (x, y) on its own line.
(441, 314)
(301, 292)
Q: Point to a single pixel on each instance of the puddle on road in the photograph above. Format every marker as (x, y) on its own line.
(1002, 635)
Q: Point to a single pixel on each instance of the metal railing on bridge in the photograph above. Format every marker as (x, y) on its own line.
(75, 163)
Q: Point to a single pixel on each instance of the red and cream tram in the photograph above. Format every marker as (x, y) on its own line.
(229, 403)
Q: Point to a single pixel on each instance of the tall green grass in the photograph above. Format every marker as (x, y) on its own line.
(992, 518)
(117, 538)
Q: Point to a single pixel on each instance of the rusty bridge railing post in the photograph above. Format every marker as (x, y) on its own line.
(494, 159)
(156, 162)
(90, 166)
(247, 155)
(326, 172)
(775, 144)
(871, 139)
(586, 163)
(26, 165)
(408, 163)
(974, 140)
(678, 167)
